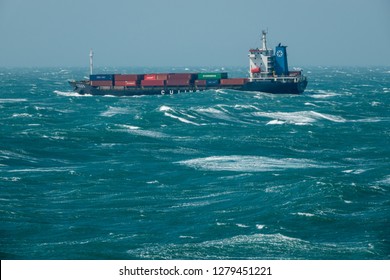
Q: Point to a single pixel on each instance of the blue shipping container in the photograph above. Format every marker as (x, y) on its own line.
(212, 82)
(101, 77)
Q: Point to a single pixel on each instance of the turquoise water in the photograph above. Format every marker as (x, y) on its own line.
(211, 175)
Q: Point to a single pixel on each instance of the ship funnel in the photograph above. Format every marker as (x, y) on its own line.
(281, 64)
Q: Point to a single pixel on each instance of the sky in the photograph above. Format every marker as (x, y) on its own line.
(161, 33)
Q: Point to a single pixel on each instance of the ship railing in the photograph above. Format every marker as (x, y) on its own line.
(281, 78)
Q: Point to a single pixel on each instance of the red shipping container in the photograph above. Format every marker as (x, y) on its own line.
(153, 83)
(126, 83)
(150, 77)
(177, 82)
(180, 76)
(101, 83)
(162, 76)
(232, 82)
(200, 83)
(127, 77)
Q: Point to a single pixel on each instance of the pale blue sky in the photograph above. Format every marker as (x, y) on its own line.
(192, 32)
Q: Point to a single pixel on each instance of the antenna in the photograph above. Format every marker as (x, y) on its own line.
(91, 62)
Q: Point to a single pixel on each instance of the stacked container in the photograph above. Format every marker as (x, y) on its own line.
(180, 79)
(153, 83)
(233, 82)
(101, 80)
(127, 80)
(212, 76)
(162, 76)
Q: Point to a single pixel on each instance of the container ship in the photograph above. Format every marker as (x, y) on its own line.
(268, 72)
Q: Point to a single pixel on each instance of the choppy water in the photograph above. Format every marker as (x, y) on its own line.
(210, 175)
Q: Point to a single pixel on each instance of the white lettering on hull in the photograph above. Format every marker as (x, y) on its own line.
(179, 91)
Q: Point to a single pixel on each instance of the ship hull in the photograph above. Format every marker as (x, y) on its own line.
(276, 86)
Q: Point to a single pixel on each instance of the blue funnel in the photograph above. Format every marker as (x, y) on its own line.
(281, 65)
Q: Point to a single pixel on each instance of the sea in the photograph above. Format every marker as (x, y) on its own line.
(214, 175)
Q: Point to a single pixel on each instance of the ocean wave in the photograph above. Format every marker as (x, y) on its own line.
(22, 115)
(247, 163)
(323, 94)
(141, 132)
(42, 169)
(219, 113)
(252, 247)
(385, 181)
(167, 109)
(298, 118)
(12, 100)
(70, 93)
(255, 246)
(112, 111)
(275, 122)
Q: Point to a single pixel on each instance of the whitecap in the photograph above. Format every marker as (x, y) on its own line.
(323, 94)
(385, 181)
(299, 118)
(186, 237)
(70, 93)
(275, 122)
(289, 117)
(164, 108)
(41, 169)
(221, 91)
(304, 214)
(242, 225)
(167, 109)
(354, 171)
(328, 117)
(247, 163)
(21, 115)
(214, 113)
(310, 104)
(129, 126)
(180, 119)
(375, 103)
(138, 131)
(12, 100)
(112, 111)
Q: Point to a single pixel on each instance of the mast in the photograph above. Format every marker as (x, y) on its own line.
(264, 39)
(91, 62)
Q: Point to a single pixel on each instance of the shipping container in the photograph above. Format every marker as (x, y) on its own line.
(131, 83)
(212, 82)
(127, 83)
(150, 77)
(101, 83)
(162, 76)
(119, 88)
(238, 81)
(127, 77)
(181, 76)
(153, 83)
(101, 77)
(177, 82)
(200, 83)
(212, 76)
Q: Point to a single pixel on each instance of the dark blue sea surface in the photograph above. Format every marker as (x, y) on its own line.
(210, 175)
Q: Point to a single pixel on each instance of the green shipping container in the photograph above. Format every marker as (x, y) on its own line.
(212, 76)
